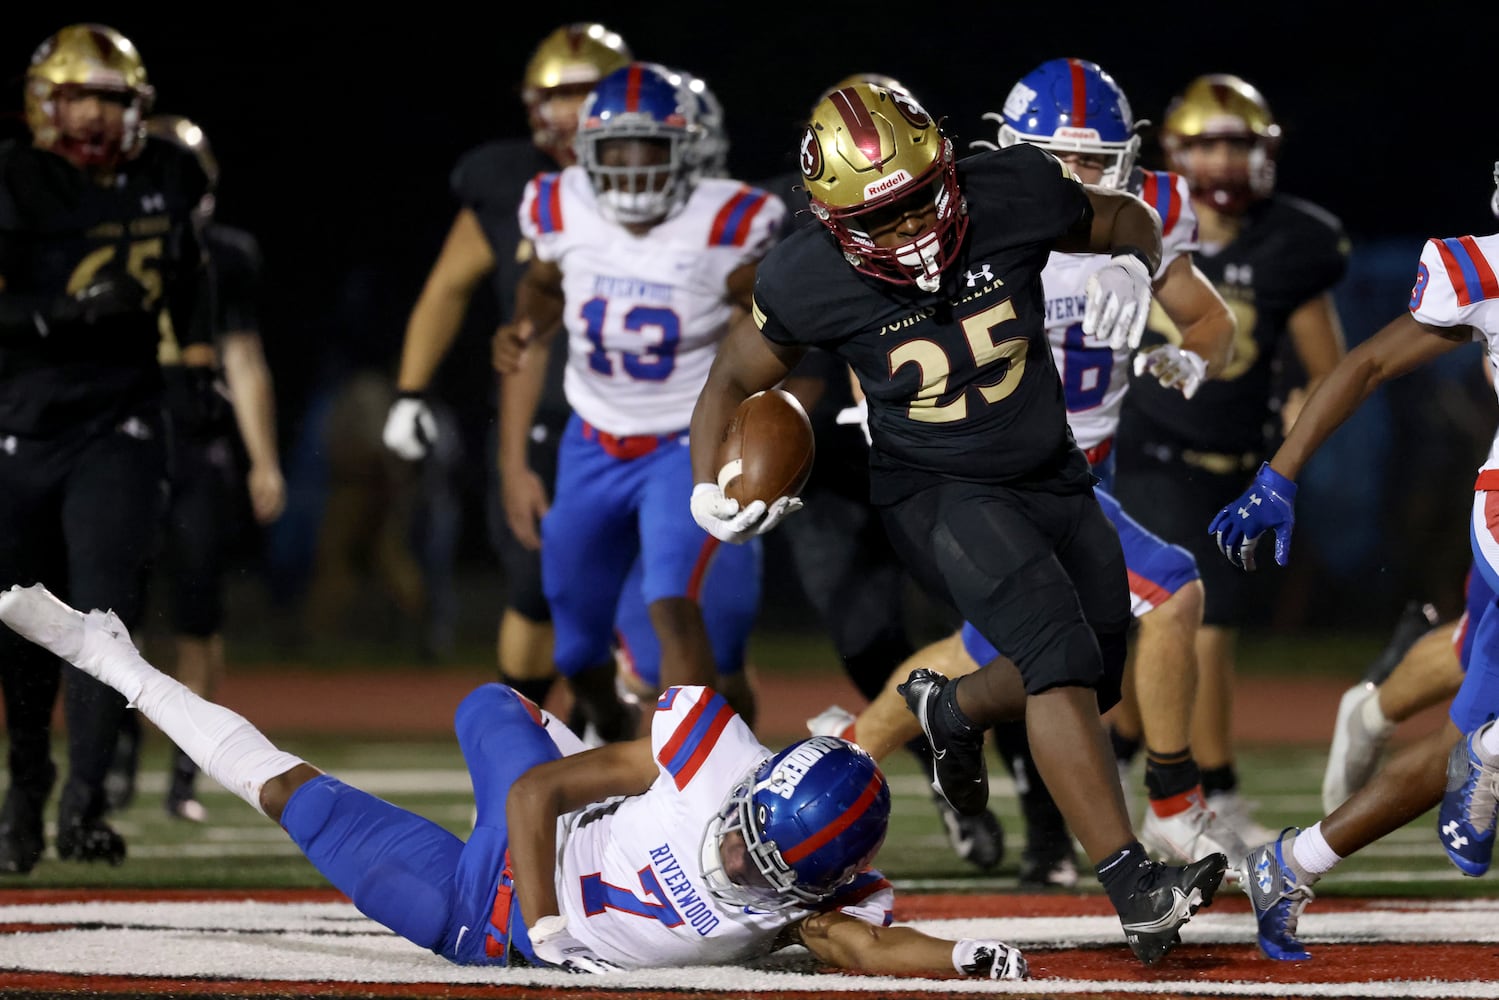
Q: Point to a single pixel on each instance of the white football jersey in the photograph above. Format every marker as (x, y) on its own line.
(629, 875)
(644, 314)
(1094, 377)
(1456, 286)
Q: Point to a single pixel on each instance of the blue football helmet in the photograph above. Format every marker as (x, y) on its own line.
(632, 110)
(1072, 106)
(811, 817)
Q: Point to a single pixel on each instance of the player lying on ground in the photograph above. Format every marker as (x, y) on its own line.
(695, 846)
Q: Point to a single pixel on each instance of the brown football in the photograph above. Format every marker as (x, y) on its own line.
(767, 449)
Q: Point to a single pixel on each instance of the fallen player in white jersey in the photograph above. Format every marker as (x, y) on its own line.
(694, 846)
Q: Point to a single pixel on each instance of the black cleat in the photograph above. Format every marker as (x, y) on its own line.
(1416, 619)
(1165, 898)
(21, 841)
(84, 840)
(978, 840)
(1048, 865)
(960, 774)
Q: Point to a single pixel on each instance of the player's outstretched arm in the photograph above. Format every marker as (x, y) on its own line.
(850, 943)
(550, 790)
(1207, 328)
(465, 259)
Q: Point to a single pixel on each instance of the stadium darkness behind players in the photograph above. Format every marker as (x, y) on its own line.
(337, 134)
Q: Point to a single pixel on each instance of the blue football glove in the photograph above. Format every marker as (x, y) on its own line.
(1268, 505)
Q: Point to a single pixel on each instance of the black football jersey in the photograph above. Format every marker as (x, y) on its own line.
(960, 383)
(1288, 253)
(489, 180)
(58, 230)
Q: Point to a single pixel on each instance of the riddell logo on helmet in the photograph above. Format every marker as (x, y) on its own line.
(887, 184)
(1079, 134)
(795, 765)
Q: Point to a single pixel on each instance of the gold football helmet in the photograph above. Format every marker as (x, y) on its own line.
(877, 79)
(187, 136)
(1223, 106)
(87, 57)
(867, 148)
(563, 69)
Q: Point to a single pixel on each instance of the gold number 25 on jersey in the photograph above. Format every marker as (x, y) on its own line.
(934, 366)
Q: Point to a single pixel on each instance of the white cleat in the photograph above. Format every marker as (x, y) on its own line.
(1356, 747)
(834, 720)
(1232, 810)
(1193, 833)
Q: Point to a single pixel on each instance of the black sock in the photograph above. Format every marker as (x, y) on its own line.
(1167, 775)
(184, 771)
(1125, 747)
(1120, 873)
(534, 688)
(952, 716)
(1219, 779)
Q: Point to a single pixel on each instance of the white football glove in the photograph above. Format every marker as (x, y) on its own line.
(721, 517)
(410, 428)
(554, 946)
(994, 959)
(1173, 367)
(857, 414)
(1118, 302)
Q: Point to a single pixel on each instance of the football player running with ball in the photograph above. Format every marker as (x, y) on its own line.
(925, 277)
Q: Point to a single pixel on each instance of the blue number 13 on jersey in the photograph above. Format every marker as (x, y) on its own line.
(660, 331)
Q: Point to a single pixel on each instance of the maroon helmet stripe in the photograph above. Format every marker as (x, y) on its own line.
(1079, 94)
(860, 125)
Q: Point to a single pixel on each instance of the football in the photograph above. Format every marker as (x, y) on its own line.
(767, 449)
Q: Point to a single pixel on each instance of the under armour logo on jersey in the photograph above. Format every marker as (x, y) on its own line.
(1239, 274)
(1254, 498)
(983, 274)
(154, 202)
(1457, 840)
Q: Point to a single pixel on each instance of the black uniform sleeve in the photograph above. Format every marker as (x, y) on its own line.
(237, 267)
(1031, 196)
(1318, 253)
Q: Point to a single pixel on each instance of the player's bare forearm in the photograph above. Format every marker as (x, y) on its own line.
(249, 380)
(1121, 221)
(520, 395)
(1206, 323)
(550, 790)
(850, 943)
(1402, 345)
(438, 314)
(746, 363)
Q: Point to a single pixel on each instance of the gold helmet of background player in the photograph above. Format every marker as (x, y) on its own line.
(562, 70)
(866, 149)
(187, 136)
(1221, 106)
(87, 58)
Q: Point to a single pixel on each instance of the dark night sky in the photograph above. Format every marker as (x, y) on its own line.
(336, 135)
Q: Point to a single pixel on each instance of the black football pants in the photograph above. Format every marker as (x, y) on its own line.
(1040, 575)
(79, 513)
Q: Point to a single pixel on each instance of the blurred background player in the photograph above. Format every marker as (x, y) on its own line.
(485, 242)
(643, 260)
(206, 468)
(1274, 259)
(1454, 302)
(99, 262)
